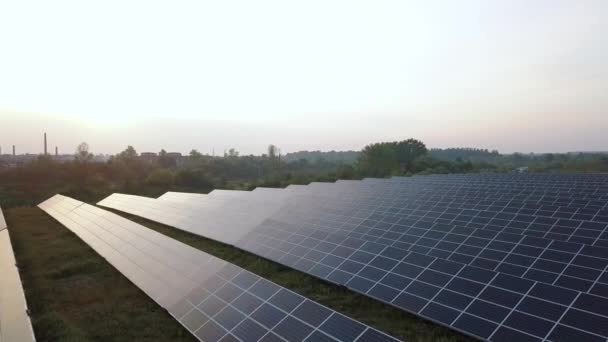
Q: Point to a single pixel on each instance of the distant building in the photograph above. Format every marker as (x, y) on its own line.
(179, 159)
(10, 160)
(149, 157)
(148, 154)
(522, 169)
(62, 158)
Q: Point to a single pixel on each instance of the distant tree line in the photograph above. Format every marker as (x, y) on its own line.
(345, 157)
(129, 172)
(464, 154)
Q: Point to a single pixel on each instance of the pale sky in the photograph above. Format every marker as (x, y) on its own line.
(512, 75)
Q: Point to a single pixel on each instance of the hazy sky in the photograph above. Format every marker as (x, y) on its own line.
(512, 75)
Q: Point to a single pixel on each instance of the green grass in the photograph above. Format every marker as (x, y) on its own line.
(75, 295)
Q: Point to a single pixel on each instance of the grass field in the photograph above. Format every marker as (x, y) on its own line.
(75, 295)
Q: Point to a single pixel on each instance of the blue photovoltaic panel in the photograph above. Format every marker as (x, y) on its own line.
(563, 263)
(15, 325)
(216, 217)
(573, 265)
(496, 256)
(576, 220)
(215, 300)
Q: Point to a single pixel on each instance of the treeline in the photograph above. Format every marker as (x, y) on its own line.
(129, 172)
(561, 162)
(345, 157)
(536, 162)
(464, 154)
(543, 162)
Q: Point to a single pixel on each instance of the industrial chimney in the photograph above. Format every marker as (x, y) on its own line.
(13, 150)
(45, 151)
(56, 151)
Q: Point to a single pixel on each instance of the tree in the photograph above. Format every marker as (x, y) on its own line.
(232, 153)
(384, 159)
(407, 151)
(82, 154)
(161, 177)
(127, 167)
(274, 154)
(129, 155)
(345, 172)
(377, 160)
(272, 151)
(164, 160)
(196, 155)
(196, 179)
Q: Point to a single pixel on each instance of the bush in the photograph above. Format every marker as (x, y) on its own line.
(197, 179)
(161, 177)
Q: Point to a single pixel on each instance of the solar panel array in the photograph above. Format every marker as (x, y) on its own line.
(499, 257)
(15, 325)
(225, 215)
(215, 300)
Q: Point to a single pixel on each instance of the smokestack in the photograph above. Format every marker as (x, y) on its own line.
(45, 152)
(56, 151)
(13, 150)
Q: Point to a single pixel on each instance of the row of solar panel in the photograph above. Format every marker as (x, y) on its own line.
(554, 181)
(564, 264)
(488, 187)
(563, 229)
(424, 236)
(491, 202)
(403, 190)
(588, 232)
(421, 282)
(513, 189)
(15, 325)
(463, 244)
(592, 233)
(490, 209)
(532, 179)
(519, 256)
(213, 299)
(534, 243)
(376, 268)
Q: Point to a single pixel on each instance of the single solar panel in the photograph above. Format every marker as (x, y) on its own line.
(438, 248)
(215, 300)
(15, 325)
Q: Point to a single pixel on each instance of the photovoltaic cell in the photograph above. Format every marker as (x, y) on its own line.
(213, 299)
(15, 323)
(485, 254)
